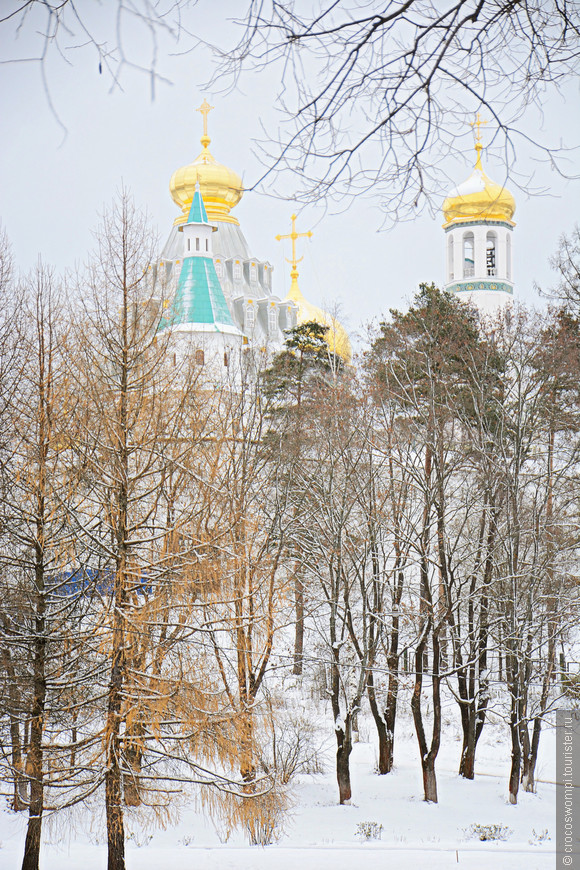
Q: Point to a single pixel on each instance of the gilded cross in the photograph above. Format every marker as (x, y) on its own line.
(294, 235)
(477, 123)
(205, 109)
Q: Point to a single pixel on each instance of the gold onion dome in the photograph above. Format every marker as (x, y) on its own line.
(478, 199)
(337, 336)
(221, 187)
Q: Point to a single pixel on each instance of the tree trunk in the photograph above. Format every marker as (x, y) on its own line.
(514, 780)
(390, 713)
(344, 748)
(115, 826)
(428, 756)
(115, 821)
(529, 776)
(467, 763)
(385, 723)
(113, 797)
(385, 745)
(429, 780)
(113, 781)
(299, 627)
(20, 797)
(531, 747)
(247, 765)
(34, 764)
(390, 716)
(31, 857)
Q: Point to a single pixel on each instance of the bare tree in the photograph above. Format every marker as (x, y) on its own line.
(246, 537)
(368, 88)
(42, 639)
(62, 28)
(535, 454)
(331, 491)
(423, 364)
(566, 263)
(381, 559)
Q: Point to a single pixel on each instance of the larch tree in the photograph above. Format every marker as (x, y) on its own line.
(141, 423)
(42, 636)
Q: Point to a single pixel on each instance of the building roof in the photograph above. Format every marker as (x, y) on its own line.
(478, 199)
(197, 212)
(199, 298)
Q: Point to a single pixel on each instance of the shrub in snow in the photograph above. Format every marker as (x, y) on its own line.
(489, 832)
(139, 839)
(571, 685)
(368, 831)
(264, 816)
(296, 748)
(540, 837)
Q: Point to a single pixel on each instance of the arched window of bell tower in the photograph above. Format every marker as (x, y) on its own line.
(450, 258)
(468, 256)
(491, 254)
(508, 258)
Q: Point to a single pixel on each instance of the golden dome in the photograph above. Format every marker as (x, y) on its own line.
(337, 336)
(478, 199)
(221, 187)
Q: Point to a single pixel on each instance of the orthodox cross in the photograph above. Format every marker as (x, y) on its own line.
(477, 124)
(205, 109)
(478, 146)
(294, 235)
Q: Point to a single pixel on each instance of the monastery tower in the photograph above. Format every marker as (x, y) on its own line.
(479, 226)
(212, 290)
(246, 282)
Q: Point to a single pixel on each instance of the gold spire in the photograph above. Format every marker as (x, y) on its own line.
(205, 109)
(337, 336)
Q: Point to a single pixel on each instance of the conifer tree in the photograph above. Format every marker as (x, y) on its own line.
(295, 381)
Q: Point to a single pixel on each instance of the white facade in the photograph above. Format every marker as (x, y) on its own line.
(479, 258)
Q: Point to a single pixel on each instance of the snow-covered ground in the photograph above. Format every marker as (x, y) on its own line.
(320, 835)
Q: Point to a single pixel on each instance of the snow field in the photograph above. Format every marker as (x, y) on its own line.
(321, 835)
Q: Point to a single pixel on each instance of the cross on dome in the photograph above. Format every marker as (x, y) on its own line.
(293, 236)
(478, 144)
(477, 124)
(205, 109)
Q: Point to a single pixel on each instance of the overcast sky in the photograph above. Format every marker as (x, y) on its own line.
(53, 186)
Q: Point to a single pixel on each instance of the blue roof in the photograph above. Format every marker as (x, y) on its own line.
(93, 581)
(199, 297)
(197, 212)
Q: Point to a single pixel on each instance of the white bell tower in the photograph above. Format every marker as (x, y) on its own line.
(479, 229)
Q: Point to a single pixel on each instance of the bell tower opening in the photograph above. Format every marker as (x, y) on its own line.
(468, 255)
(491, 255)
(450, 266)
